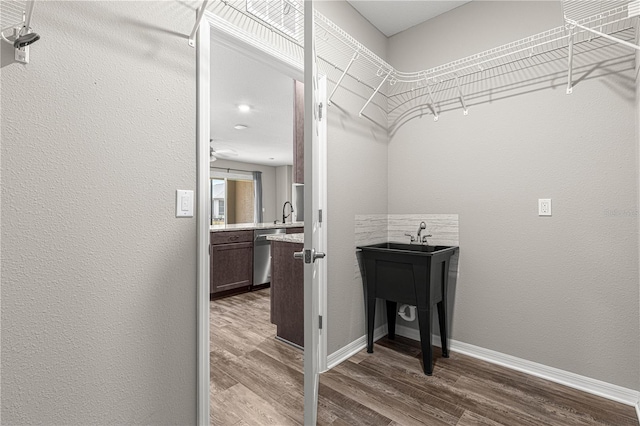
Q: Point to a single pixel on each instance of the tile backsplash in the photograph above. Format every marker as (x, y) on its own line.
(442, 227)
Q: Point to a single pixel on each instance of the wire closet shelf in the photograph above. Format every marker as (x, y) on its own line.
(584, 21)
(15, 14)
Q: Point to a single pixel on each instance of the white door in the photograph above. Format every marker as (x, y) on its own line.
(312, 253)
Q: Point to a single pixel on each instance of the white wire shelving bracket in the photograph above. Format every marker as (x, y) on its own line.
(584, 20)
(464, 104)
(375, 91)
(591, 17)
(570, 64)
(592, 23)
(344, 73)
(431, 106)
(199, 17)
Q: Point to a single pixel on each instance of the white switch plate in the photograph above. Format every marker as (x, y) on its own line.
(184, 203)
(544, 207)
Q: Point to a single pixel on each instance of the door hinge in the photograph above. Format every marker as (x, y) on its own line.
(209, 249)
(320, 112)
(320, 215)
(320, 322)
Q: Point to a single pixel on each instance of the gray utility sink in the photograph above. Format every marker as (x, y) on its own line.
(412, 274)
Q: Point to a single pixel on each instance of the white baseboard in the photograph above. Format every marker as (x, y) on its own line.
(576, 381)
(354, 347)
(638, 411)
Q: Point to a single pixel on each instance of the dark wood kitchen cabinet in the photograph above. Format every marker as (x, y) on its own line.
(287, 292)
(296, 230)
(231, 262)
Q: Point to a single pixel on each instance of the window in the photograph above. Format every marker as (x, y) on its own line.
(232, 200)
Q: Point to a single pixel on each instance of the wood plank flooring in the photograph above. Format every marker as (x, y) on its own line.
(257, 380)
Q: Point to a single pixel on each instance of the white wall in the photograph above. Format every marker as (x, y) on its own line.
(357, 181)
(283, 186)
(269, 185)
(561, 290)
(98, 276)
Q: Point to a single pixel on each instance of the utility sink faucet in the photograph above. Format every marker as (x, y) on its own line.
(418, 238)
(420, 228)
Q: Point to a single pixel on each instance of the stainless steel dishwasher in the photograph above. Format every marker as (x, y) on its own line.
(262, 255)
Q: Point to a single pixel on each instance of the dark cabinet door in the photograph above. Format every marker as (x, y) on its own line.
(231, 266)
(287, 292)
(296, 230)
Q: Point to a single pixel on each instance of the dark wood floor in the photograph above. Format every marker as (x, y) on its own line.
(257, 380)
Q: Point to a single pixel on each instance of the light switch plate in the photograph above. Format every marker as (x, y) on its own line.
(544, 207)
(184, 203)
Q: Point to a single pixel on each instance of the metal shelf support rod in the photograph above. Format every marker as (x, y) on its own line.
(605, 35)
(199, 16)
(433, 109)
(464, 104)
(374, 93)
(353, 58)
(27, 21)
(570, 64)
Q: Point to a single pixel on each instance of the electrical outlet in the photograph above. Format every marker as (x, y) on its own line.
(22, 55)
(544, 207)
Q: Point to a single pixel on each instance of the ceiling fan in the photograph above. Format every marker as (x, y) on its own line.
(214, 154)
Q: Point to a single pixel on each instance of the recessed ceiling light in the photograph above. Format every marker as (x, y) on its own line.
(244, 108)
(240, 126)
(271, 158)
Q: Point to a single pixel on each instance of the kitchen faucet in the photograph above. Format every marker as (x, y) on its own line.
(290, 211)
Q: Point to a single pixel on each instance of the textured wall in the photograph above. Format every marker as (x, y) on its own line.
(357, 182)
(98, 276)
(555, 290)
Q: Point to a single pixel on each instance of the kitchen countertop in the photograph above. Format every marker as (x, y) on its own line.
(253, 226)
(287, 238)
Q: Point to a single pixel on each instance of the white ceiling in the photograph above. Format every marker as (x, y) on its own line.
(392, 17)
(237, 79)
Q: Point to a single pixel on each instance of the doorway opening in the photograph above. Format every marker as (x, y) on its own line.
(219, 211)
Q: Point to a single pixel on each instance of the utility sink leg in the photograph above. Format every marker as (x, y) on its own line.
(424, 320)
(371, 313)
(442, 319)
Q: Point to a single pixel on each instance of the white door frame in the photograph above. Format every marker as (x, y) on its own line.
(244, 42)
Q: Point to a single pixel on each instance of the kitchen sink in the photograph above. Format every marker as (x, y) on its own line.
(411, 274)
